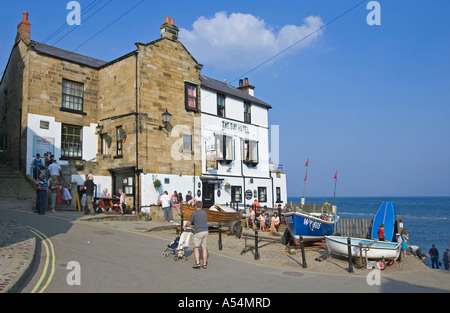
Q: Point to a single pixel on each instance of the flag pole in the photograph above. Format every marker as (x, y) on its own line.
(304, 184)
(335, 183)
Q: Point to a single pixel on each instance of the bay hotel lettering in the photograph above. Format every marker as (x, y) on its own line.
(235, 127)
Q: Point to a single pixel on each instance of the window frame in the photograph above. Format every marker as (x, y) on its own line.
(119, 143)
(64, 106)
(247, 112)
(187, 139)
(221, 105)
(262, 194)
(247, 150)
(79, 152)
(278, 195)
(187, 86)
(233, 194)
(227, 153)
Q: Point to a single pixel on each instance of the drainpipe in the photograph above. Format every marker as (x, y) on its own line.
(242, 174)
(138, 175)
(271, 178)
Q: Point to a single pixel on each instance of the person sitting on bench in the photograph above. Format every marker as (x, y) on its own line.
(123, 202)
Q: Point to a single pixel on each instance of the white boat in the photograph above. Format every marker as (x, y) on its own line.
(371, 249)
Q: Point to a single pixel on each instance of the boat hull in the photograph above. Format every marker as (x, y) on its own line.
(386, 215)
(310, 227)
(370, 249)
(213, 216)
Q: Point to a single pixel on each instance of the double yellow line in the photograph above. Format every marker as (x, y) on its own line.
(50, 253)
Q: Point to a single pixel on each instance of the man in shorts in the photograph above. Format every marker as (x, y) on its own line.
(199, 220)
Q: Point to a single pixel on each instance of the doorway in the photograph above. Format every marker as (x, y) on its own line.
(124, 179)
(208, 194)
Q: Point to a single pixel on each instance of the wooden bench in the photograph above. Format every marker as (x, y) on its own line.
(105, 204)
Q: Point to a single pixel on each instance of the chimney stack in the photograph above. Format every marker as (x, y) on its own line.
(245, 86)
(24, 28)
(169, 30)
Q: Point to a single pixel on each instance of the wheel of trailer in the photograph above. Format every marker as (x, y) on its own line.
(236, 229)
(165, 254)
(286, 238)
(185, 259)
(381, 265)
(175, 258)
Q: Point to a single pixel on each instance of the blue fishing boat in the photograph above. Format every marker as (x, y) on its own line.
(311, 226)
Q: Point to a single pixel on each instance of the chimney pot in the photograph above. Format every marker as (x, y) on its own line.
(24, 28)
(246, 82)
(169, 30)
(241, 83)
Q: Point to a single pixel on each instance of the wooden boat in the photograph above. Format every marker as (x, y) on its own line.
(216, 214)
(311, 226)
(371, 249)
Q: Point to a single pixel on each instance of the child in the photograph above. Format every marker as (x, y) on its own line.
(262, 221)
(381, 234)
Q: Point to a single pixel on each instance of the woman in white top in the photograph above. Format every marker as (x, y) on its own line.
(274, 222)
(262, 221)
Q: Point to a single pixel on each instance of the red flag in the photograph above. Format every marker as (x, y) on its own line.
(306, 176)
(307, 163)
(335, 175)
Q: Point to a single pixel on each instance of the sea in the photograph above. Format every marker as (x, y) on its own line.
(427, 219)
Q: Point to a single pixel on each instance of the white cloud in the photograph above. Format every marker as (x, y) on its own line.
(240, 41)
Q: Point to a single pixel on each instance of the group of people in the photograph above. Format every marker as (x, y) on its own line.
(403, 238)
(265, 223)
(434, 256)
(174, 201)
(87, 191)
(48, 174)
(433, 253)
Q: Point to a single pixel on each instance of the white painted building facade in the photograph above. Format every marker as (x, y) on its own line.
(235, 148)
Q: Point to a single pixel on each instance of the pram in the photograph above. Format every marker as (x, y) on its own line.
(179, 247)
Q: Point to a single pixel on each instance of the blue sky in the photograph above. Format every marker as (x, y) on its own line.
(371, 102)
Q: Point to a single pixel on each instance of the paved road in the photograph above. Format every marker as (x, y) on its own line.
(120, 259)
(116, 260)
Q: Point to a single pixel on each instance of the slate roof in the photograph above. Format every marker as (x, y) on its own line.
(66, 55)
(227, 89)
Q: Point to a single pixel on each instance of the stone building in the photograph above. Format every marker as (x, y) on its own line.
(134, 122)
